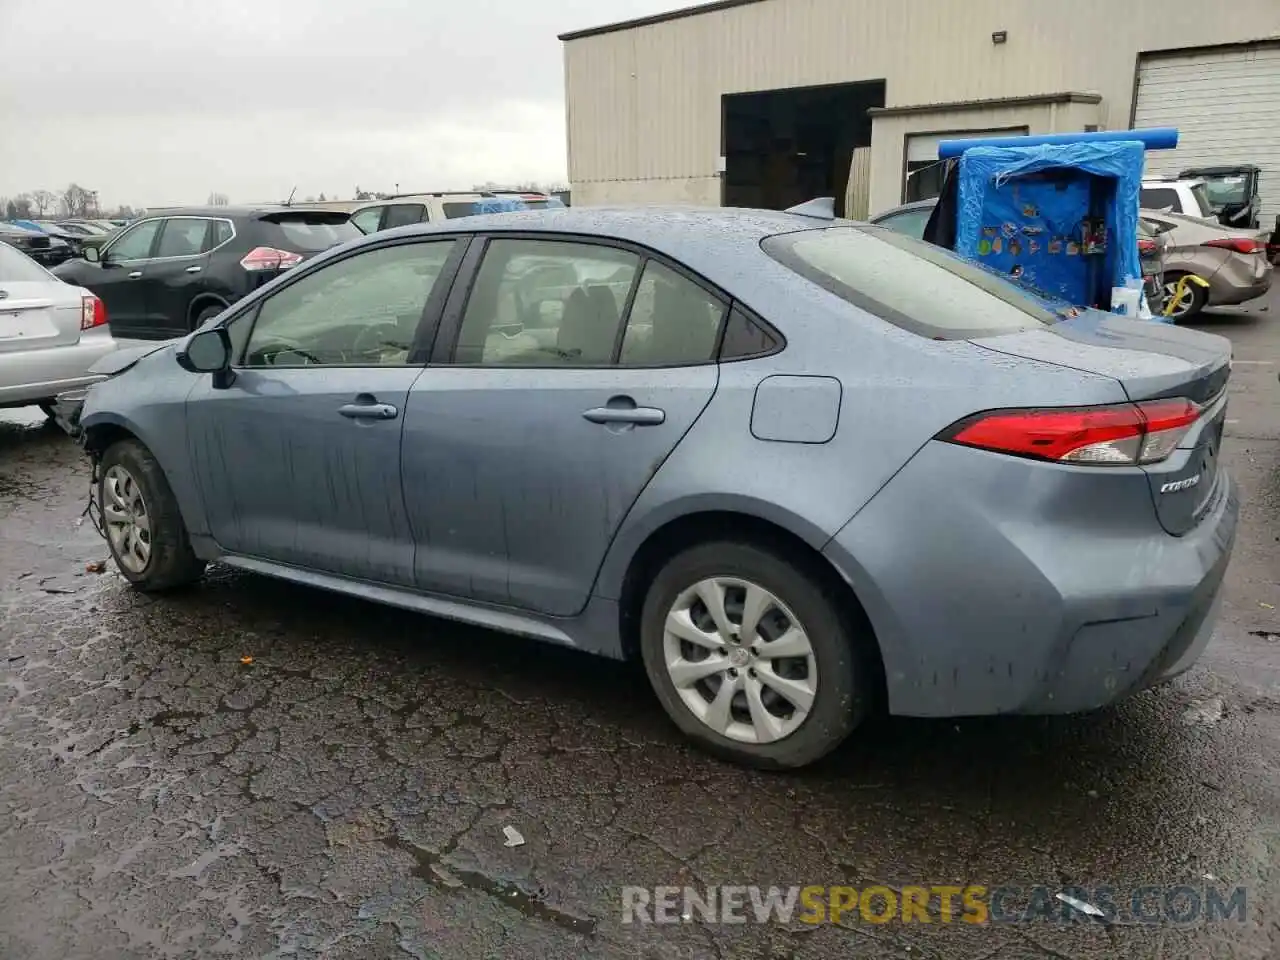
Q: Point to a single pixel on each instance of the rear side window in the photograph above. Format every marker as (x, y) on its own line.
(455, 208)
(16, 267)
(909, 283)
(1161, 198)
(403, 214)
(182, 237)
(222, 232)
(307, 233)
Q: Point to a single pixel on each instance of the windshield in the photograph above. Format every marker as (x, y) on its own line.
(913, 284)
(18, 268)
(1227, 190)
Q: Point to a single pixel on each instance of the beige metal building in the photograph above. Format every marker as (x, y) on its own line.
(769, 102)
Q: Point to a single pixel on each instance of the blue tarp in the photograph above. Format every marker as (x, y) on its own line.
(1030, 226)
(498, 205)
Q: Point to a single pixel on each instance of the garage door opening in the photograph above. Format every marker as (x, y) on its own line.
(783, 147)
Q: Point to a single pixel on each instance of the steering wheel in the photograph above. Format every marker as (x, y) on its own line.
(378, 337)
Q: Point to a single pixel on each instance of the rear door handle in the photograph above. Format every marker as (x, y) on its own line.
(193, 269)
(368, 411)
(639, 416)
(135, 275)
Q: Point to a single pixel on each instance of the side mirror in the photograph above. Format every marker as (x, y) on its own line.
(208, 351)
(92, 254)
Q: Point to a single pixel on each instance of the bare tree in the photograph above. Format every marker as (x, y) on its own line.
(79, 201)
(219, 200)
(21, 205)
(321, 198)
(44, 201)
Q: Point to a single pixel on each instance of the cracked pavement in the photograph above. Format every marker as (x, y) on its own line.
(344, 793)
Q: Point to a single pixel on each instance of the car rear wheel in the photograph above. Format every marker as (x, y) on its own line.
(145, 532)
(1193, 300)
(751, 657)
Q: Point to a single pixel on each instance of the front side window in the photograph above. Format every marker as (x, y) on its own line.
(546, 303)
(182, 237)
(363, 310)
(910, 283)
(672, 321)
(135, 244)
(1203, 204)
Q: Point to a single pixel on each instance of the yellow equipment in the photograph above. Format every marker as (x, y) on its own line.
(1179, 290)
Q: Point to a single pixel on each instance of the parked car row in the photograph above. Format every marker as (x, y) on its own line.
(1234, 263)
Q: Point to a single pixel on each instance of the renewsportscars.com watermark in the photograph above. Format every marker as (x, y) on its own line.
(972, 904)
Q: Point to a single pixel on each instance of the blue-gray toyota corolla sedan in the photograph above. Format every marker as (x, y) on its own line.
(798, 467)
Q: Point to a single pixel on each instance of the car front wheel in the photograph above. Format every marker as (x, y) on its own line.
(144, 528)
(752, 657)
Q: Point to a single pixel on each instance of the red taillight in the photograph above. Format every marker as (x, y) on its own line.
(1238, 244)
(1146, 246)
(1123, 435)
(269, 258)
(93, 312)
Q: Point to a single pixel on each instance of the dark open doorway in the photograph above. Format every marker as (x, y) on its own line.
(783, 147)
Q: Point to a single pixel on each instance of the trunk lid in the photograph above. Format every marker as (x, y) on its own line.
(1150, 361)
(34, 315)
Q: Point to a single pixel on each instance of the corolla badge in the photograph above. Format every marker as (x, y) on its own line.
(1176, 486)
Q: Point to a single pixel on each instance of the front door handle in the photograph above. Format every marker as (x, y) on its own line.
(135, 275)
(637, 416)
(195, 269)
(368, 410)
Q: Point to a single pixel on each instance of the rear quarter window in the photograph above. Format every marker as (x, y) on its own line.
(909, 283)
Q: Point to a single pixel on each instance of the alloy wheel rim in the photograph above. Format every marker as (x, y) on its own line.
(740, 660)
(127, 518)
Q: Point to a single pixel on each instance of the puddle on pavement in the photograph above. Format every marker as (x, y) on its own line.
(430, 870)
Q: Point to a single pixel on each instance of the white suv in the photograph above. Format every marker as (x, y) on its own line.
(402, 210)
(1187, 197)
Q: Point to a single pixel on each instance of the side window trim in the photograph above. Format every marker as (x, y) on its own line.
(451, 322)
(615, 358)
(428, 323)
(115, 241)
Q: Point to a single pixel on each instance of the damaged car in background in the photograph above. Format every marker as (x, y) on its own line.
(754, 451)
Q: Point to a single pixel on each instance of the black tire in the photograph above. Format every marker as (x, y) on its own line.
(204, 313)
(841, 652)
(1199, 297)
(171, 563)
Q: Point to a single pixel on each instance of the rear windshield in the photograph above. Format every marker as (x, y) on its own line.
(16, 267)
(910, 283)
(309, 232)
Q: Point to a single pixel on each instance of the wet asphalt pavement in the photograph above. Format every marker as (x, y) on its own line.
(344, 793)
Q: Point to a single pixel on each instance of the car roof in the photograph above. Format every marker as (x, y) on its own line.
(1171, 182)
(1220, 171)
(226, 213)
(696, 236)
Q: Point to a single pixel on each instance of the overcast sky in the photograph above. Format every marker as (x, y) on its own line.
(155, 102)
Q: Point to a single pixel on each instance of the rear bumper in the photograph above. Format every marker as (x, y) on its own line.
(1230, 287)
(995, 587)
(33, 376)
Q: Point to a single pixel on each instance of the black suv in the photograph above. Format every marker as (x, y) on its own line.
(166, 273)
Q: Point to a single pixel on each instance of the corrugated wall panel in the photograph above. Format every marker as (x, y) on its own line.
(1226, 106)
